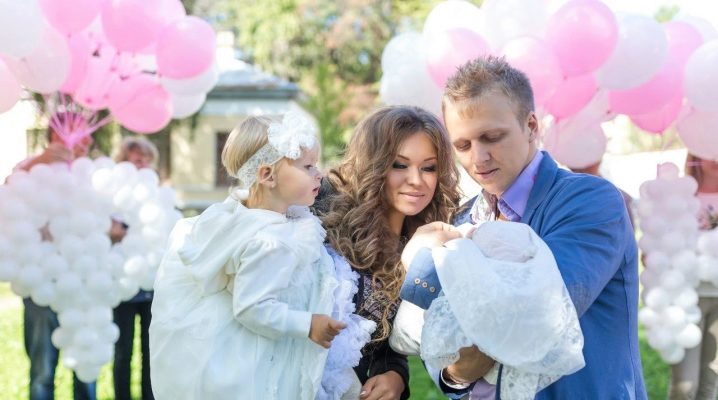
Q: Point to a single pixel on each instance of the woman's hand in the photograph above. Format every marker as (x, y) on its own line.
(430, 235)
(386, 386)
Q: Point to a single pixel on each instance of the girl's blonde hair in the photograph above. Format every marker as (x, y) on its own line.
(246, 139)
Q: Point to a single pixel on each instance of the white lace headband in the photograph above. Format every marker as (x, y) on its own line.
(285, 139)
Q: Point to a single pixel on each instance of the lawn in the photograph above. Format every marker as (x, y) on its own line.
(14, 364)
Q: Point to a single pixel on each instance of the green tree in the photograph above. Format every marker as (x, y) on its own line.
(332, 49)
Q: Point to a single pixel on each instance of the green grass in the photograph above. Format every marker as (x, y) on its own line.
(14, 365)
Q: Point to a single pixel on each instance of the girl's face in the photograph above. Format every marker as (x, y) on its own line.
(298, 180)
(412, 179)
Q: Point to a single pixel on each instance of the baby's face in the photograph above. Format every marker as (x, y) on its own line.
(505, 241)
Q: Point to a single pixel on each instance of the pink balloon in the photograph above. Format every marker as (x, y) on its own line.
(659, 120)
(683, 40)
(131, 25)
(185, 48)
(536, 59)
(81, 48)
(571, 96)
(9, 88)
(582, 33)
(174, 11)
(652, 95)
(70, 16)
(448, 50)
(140, 104)
(94, 90)
(698, 132)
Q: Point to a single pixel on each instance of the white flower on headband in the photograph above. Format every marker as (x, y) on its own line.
(293, 134)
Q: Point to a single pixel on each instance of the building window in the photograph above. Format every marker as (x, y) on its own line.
(222, 179)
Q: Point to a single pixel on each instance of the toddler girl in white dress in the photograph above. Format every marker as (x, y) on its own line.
(244, 293)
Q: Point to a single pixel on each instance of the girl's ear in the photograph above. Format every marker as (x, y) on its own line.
(265, 176)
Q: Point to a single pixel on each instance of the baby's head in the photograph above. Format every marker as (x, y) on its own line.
(274, 160)
(505, 241)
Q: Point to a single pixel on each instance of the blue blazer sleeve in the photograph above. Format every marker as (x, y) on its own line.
(586, 228)
(421, 285)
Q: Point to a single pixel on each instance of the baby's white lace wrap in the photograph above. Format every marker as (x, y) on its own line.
(345, 351)
(517, 312)
(285, 139)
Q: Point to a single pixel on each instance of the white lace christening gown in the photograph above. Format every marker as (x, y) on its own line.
(503, 292)
(233, 303)
(339, 380)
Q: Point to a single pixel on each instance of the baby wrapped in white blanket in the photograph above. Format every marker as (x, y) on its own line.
(503, 292)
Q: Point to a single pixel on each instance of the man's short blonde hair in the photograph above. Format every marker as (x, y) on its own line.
(485, 75)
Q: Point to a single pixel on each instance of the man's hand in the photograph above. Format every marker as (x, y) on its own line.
(324, 329)
(386, 386)
(430, 235)
(471, 366)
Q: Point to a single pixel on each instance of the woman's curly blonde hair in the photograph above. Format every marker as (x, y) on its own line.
(357, 224)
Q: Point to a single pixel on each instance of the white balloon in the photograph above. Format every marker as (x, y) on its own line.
(99, 282)
(648, 317)
(674, 317)
(46, 67)
(71, 319)
(148, 176)
(184, 106)
(86, 338)
(639, 54)
(686, 298)
(576, 148)
(61, 337)
(150, 213)
(673, 355)
(87, 374)
(21, 26)
(8, 270)
(689, 337)
(69, 284)
(696, 131)
(700, 78)
(99, 316)
(404, 46)
(20, 289)
(30, 277)
(451, 15)
(44, 294)
(657, 261)
(658, 299)
(693, 314)
(508, 19)
(659, 338)
(201, 83)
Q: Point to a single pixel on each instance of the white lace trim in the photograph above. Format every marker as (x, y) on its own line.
(285, 139)
(345, 351)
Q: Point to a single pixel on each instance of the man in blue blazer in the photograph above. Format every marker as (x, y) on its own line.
(488, 109)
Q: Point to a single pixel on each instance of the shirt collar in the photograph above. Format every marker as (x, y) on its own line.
(515, 197)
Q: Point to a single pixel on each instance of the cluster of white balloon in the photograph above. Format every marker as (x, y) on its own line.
(668, 210)
(55, 248)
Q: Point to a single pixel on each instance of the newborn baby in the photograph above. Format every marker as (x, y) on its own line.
(502, 291)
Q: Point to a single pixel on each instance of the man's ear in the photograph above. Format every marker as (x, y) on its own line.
(533, 126)
(265, 176)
